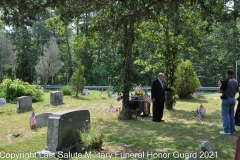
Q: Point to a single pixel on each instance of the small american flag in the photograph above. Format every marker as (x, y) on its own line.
(148, 99)
(195, 95)
(202, 109)
(198, 116)
(33, 119)
(101, 95)
(17, 106)
(111, 110)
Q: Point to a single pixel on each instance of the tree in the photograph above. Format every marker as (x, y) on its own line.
(7, 55)
(77, 80)
(122, 16)
(50, 63)
(187, 80)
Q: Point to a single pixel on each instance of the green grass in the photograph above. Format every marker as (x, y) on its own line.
(180, 133)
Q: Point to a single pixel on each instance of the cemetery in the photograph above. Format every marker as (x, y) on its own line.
(129, 79)
(179, 137)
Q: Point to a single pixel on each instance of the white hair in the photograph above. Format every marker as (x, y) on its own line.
(161, 74)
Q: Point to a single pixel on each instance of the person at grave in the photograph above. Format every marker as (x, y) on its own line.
(228, 88)
(158, 97)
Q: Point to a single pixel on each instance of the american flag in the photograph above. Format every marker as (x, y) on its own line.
(198, 116)
(111, 110)
(148, 99)
(195, 95)
(101, 95)
(33, 119)
(202, 109)
(17, 106)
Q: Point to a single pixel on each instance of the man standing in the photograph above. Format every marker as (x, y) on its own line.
(228, 88)
(158, 97)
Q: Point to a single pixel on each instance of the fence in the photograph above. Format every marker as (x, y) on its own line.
(111, 87)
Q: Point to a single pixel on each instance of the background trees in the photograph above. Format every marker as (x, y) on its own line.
(50, 63)
(124, 43)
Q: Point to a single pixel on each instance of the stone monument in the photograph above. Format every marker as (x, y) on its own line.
(24, 103)
(42, 119)
(2, 101)
(63, 130)
(56, 97)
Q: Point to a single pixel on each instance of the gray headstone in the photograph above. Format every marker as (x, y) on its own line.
(42, 119)
(24, 103)
(56, 97)
(85, 92)
(2, 101)
(206, 146)
(63, 130)
(111, 95)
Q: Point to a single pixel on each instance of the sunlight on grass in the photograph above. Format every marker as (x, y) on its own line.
(180, 132)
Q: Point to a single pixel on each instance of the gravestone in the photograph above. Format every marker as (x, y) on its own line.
(56, 97)
(63, 130)
(85, 92)
(42, 119)
(206, 146)
(24, 103)
(2, 101)
(111, 95)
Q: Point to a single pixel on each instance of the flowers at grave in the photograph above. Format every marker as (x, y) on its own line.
(138, 91)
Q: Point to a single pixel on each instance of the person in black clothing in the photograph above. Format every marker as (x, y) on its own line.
(158, 97)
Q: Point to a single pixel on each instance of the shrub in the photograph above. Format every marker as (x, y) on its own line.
(77, 80)
(66, 91)
(187, 80)
(91, 138)
(11, 89)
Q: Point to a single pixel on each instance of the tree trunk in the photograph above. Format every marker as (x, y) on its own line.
(128, 27)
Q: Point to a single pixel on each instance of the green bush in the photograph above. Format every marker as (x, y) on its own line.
(66, 91)
(11, 89)
(91, 138)
(187, 80)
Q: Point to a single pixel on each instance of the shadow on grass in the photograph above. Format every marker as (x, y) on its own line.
(24, 110)
(192, 100)
(179, 133)
(80, 97)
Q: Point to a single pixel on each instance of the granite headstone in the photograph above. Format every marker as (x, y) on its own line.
(63, 130)
(111, 95)
(2, 101)
(24, 103)
(42, 119)
(56, 97)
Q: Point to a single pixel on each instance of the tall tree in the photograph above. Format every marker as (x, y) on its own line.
(7, 56)
(50, 63)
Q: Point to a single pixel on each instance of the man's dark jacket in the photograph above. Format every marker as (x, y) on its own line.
(158, 92)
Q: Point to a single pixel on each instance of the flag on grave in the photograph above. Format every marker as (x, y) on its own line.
(111, 110)
(33, 120)
(202, 110)
(101, 95)
(198, 116)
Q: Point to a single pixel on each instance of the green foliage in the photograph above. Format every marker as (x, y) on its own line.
(11, 89)
(77, 80)
(187, 80)
(91, 138)
(66, 91)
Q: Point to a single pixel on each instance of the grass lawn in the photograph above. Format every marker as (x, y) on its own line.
(179, 135)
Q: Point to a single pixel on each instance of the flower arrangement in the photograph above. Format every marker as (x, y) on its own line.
(138, 91)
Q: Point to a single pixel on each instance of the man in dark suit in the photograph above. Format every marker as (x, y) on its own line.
(158, 97)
